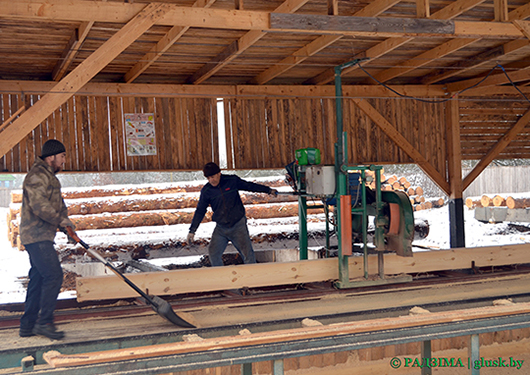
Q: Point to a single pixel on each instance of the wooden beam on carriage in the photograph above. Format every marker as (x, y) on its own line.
(81, 75)
(299, 272)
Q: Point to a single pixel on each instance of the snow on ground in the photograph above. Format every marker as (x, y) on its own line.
(14, 264)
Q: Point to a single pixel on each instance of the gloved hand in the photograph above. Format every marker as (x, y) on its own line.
(66, 223)
(273, 192)
(190, 238)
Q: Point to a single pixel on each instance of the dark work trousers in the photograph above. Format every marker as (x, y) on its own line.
(240, 238)
(45, 280)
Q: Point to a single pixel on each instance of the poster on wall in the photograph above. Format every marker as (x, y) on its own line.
(140, 134)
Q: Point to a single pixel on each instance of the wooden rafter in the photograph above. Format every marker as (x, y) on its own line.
(174, 34)
(450, 47)
(391, 44)
(492, 80)
(423, 9)
(402, 143)
(74, 44)
(485, 57)
(81, 75)
(425, 58)
(372, 10)
(239, 46)
(501, 10)
(497, 149)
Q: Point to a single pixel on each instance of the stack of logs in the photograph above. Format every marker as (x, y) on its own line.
(415, 194)
(103, 208)
(498, 201)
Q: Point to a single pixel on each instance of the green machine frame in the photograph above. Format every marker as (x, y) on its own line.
(360, 213)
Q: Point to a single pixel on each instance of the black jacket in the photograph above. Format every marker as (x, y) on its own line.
(225, 201)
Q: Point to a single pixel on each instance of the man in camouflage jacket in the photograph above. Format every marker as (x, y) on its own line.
(43, 212)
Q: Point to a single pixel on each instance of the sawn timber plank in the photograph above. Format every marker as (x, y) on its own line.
(269, 274)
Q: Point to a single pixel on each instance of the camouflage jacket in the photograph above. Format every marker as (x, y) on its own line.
(43, 207)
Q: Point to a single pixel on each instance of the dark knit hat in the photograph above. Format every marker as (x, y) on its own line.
(210, 169)
(52, 147)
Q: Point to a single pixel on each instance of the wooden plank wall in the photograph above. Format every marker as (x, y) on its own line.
(260, 133)
(266, 133)
(278, 127)
(484, 122)
(92, 129)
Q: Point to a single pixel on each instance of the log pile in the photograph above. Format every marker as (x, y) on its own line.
(498, 201)
(415, 193)
(151, 206)
(125, 207)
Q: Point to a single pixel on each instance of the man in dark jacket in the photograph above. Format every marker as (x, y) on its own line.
(222, 194)
(43, 212)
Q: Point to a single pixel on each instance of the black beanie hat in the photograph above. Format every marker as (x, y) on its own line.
(52, 147)
(210, 169)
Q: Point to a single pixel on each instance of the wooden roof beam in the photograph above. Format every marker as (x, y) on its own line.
(372, 10)
(81, 75)
(423, 8)
(373, 53)
(174, 34)
(486, 57)
(403, 144)
(450, 47)
(74, 44)
(424, 59)
(497, 79)
(497, 149)
(239, 46)
(80, 10)
(224, 91)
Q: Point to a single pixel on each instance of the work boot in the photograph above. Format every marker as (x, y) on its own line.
(49, 331)
(26, 332)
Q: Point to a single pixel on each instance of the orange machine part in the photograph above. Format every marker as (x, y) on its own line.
(345, 224)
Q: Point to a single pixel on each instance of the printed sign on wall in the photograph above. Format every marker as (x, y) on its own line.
(140, 134)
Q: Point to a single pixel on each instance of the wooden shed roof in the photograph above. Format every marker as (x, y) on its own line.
(268, 42)
(264, 48)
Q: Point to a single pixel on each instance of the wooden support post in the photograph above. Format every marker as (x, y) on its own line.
(456, 203)
(246, 369)
(426, 355)
(474, 353)
(277, 367)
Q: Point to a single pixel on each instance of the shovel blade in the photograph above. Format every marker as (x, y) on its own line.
(164, 309)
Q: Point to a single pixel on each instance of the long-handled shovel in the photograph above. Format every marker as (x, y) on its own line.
(163, 308)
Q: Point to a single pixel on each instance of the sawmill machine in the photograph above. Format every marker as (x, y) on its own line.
(345, 189)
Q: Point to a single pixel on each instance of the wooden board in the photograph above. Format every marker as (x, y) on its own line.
(268, 274)
(55, 359)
